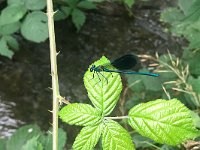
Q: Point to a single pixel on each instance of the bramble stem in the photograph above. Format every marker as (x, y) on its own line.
(54, 74)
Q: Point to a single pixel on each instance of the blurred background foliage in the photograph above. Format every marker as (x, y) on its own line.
(179, 74)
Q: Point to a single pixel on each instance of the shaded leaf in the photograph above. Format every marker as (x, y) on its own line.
(78, 18)
(35, 4)
(32, 144)
(80, 114)
(104, 89)
(63, 13)
(88, 138)
(129, 3)
(3, 144)
(12, 42)
(21, 136)
(11, 14)
(9, 28)
(86, 5)
(185, 5)
(62, 138)
(163, 121)
(115, 137)
(4, 50)
(34, 27)
(11, 2)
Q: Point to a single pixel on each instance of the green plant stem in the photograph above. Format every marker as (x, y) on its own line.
(115, 118)
(54, 74)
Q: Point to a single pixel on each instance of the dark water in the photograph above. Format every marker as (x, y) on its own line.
(24, 81)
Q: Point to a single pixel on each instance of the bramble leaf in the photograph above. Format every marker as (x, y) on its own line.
(104, 89)
(35, 4)
(11, 14)
(164, 121)
(88, 138)
(129, 3)
(116, 137)
(4, 50)
(86, 4)
(8, 29)
(35, 27)
(80, 114)
(78, 18)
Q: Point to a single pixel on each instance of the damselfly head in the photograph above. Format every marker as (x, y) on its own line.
(92, 68)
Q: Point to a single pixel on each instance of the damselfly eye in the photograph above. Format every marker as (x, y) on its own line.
(92, 68)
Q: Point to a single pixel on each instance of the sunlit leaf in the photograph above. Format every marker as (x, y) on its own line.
(80, 114)
(164, 121)
(115, 137)
(88, 138)
(104, 89)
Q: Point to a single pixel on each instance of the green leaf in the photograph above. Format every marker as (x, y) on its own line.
(3, 144)
(194, 65)
(80, 114)
(86, 5)
(135, 83)
(72, 3)
(63, 13)
(4, 50)
(9, 28)
(196, 119)
(195, 82)
(35, 27)
(142, 142)
(185, 5)
(21, 136)
(78, 18)
(35, 4)
(115, 137)
(88, 138)
(171, 15)
(12, 42)
(151, 83)
(104, 94)
(129, 3)
(62, 138)
(164, 121)
(11, 2)
(32, 144)
(11, 14)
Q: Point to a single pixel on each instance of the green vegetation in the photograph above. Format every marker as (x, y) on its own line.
(30, 137)
(27, 17)
(142, 118)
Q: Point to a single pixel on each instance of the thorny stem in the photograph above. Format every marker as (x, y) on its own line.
(54, 74)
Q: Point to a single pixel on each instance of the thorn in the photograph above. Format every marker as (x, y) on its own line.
(57, 53)
(49, 132)
(55, 11)
(50, 88)
(50, 111)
